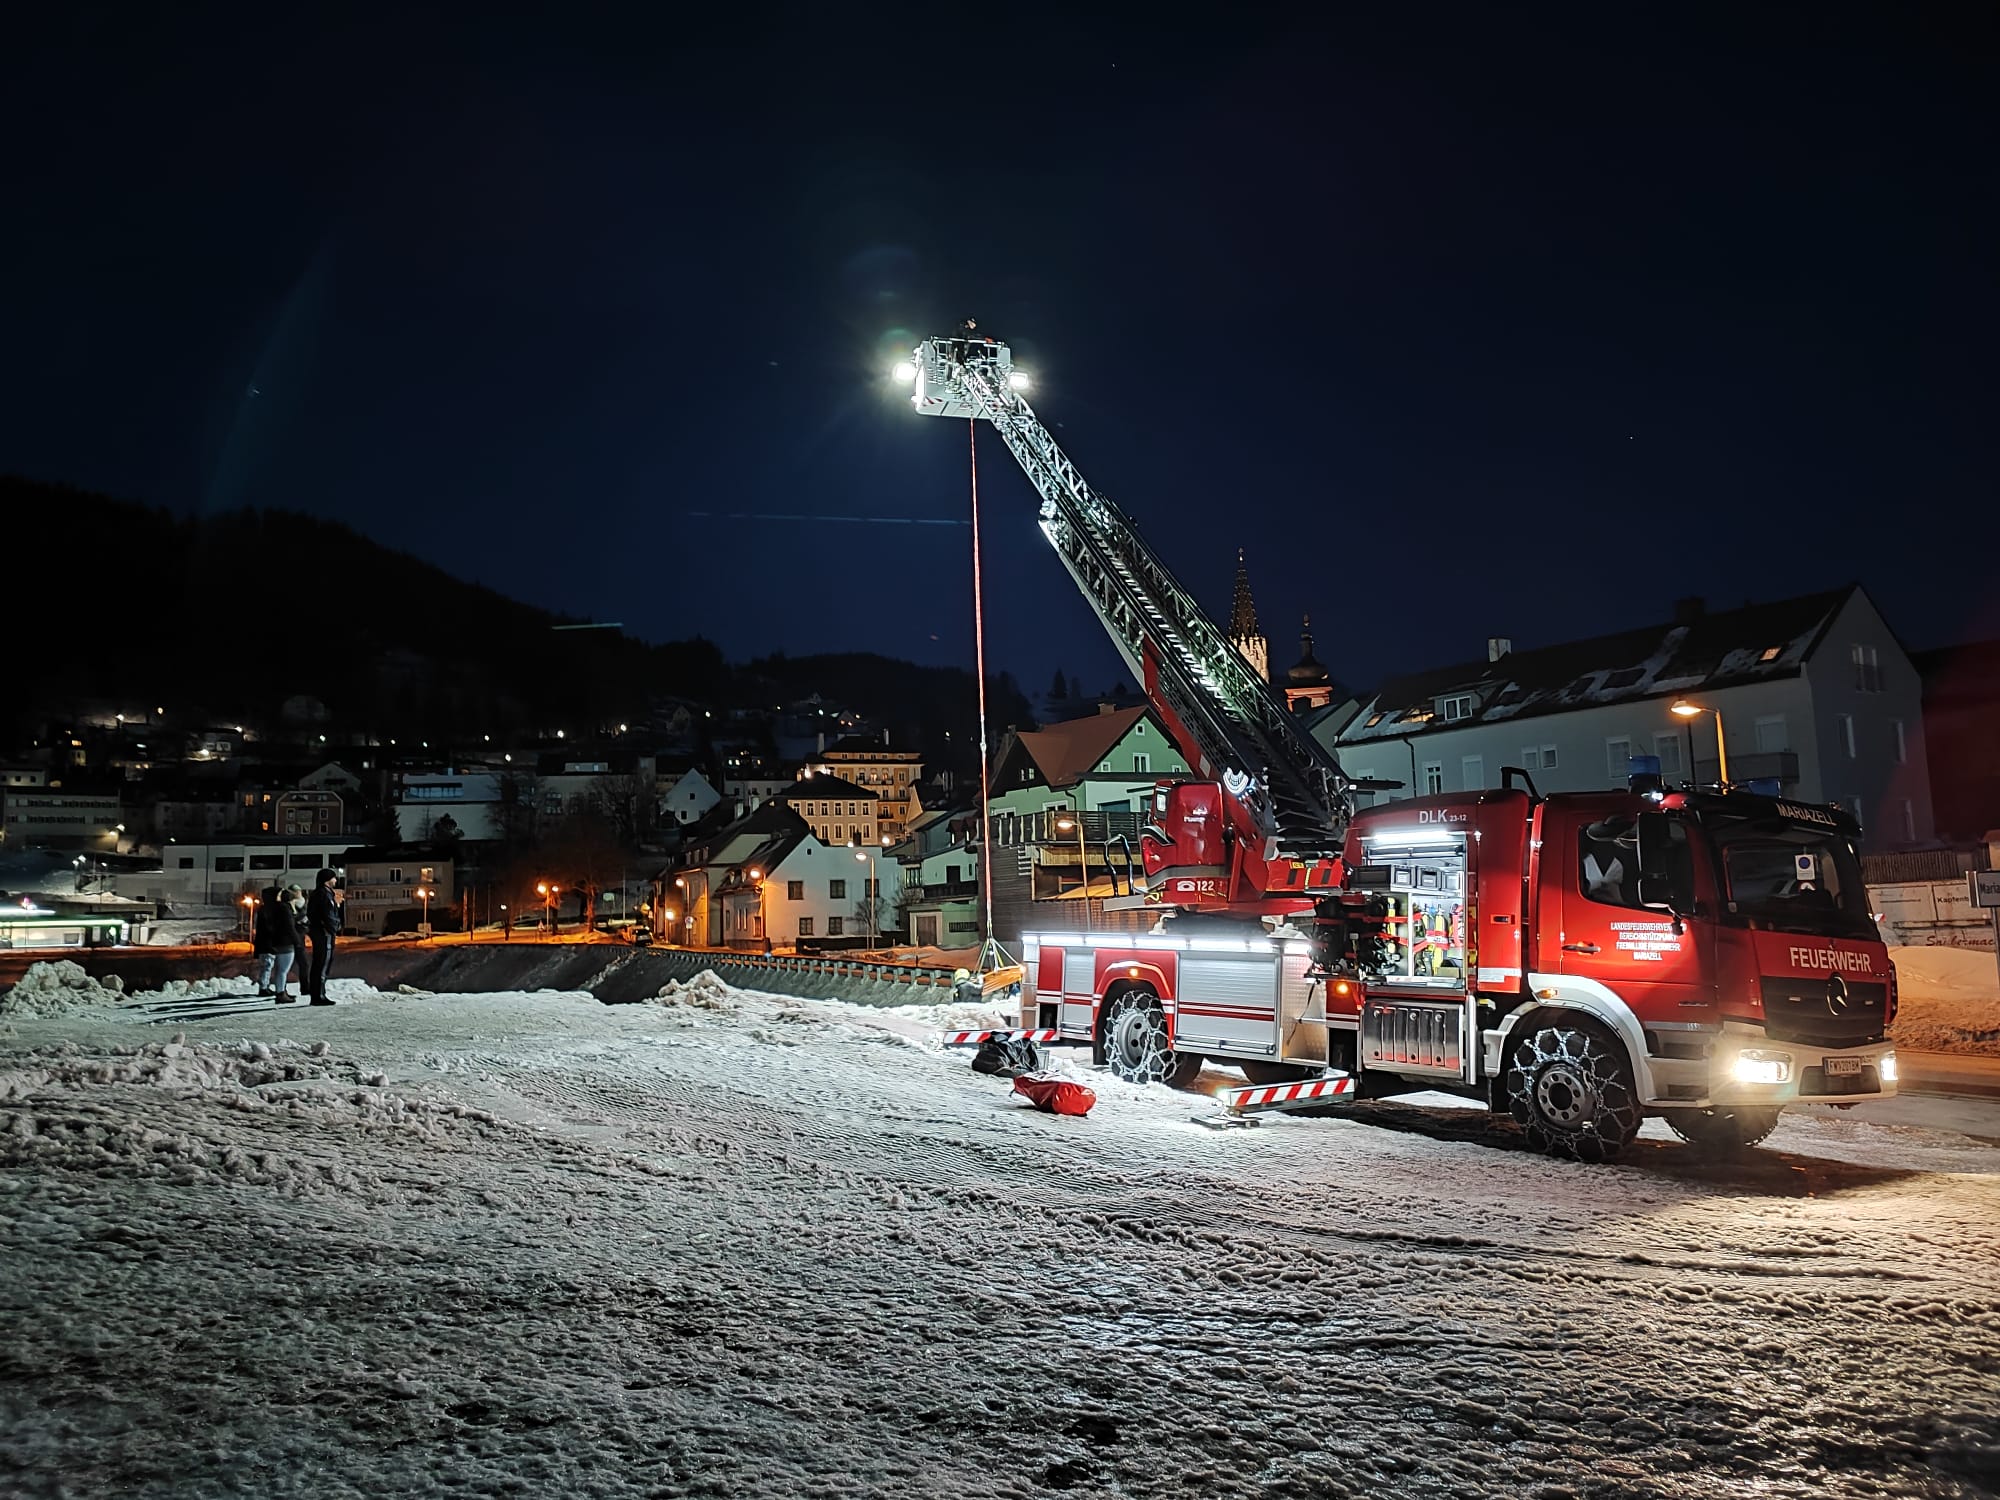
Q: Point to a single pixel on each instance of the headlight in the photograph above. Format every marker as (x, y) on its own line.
(1762, 1067)
(1886, 1068)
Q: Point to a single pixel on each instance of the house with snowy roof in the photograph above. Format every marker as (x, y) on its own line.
(1102, 762)
(1814, 693)
(766, 881)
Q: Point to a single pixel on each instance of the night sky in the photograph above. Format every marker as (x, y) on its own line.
(1457, 327)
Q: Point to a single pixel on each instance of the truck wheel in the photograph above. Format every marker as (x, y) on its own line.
(1722, 1130)
(1136, 1046)
(1570, 1088)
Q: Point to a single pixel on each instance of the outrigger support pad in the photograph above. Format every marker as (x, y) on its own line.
(1240, 1107)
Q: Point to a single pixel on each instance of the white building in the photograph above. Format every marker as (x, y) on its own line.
(1814, 693)
(766, 880)
(471, 798)
(332, 777)
(819, 891)
(688, 799)
(61, 818)
(220, 873)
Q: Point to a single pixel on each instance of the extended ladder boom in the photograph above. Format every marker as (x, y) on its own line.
(1236, 730)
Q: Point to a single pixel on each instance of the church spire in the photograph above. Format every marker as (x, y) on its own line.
(1243, 617)
(1243, 632)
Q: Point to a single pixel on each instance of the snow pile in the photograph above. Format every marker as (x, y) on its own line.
(198, 989)
(1949, 1000)
(150, 1112)
(55, 989)
(704, 991)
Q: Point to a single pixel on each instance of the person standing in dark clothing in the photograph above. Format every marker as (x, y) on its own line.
(295, 898)
(322, 926)
(282, 933)
(264, 942)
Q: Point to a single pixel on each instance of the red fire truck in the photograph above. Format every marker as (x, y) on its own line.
(1579, 960)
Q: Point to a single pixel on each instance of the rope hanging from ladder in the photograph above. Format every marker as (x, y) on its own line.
(979, 663)
(999, 976)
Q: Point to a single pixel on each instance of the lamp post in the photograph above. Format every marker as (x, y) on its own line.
(761, 936)
(1082, 859)
(687, 912)
(870, 884)
(424, 895)
(506, 924)
(249, 919)
(1689, 710)
(549, 894)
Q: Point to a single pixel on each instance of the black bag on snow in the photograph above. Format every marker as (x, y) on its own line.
(1004, 1059)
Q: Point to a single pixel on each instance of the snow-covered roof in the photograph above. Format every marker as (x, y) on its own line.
(1708, 651)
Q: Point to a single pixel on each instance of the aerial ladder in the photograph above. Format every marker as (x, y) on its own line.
(1260, 832)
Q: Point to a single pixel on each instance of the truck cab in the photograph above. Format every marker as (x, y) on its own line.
(1584, 960)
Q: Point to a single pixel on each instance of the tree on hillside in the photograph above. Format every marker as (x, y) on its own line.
(583, 853)
(520, 810)
(630, 803)
(447, 837)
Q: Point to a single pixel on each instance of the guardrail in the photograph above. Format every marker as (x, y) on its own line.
(830, 978)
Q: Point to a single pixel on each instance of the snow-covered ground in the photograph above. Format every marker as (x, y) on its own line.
(731, 1244)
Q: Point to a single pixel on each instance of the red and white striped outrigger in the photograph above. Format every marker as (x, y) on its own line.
(1267, 1098)
(975, 1038)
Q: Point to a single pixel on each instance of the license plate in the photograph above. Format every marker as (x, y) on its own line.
(1843, 1067)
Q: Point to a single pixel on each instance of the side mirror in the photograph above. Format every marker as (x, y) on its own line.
(1660, 869)
(1656, 890)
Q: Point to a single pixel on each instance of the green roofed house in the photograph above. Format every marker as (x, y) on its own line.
(1104, 763)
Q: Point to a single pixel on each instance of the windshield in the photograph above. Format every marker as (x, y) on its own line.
(1790, 877)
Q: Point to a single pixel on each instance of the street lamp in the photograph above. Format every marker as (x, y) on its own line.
(549, 893)
(1688, 709)
(506, 924)
(871, 892)
(1082, 859)
(424, 895)
(249, 918)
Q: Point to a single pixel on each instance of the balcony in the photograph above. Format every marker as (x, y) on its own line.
(943, 890)
(1040, 828)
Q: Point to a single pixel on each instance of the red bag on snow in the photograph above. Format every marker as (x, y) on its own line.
(1055, 1096)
